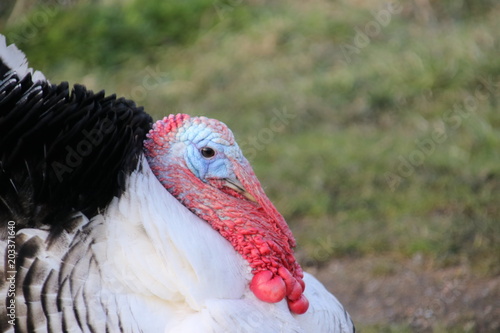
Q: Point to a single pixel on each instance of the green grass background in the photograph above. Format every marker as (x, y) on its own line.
(371, 137)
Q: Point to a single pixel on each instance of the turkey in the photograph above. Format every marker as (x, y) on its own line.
(113, 223)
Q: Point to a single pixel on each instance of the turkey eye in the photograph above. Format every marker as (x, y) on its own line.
(207, 152)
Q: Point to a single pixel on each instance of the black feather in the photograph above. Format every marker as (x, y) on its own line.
(62, 152)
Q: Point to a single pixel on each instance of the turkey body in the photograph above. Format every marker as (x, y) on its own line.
(96, 236)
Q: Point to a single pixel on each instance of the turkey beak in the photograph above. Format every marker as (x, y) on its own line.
(248, 185)
(236, 185)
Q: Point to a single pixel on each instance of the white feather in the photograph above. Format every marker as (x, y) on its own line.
(160, 253)
(148, 264)
(177, 274)
(15, 59)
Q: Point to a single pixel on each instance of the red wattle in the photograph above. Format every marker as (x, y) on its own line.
(288, 277)
(302, 283)
(295, 293)
(299, 306)
(242, 213)
(294, 287)
(268, 287)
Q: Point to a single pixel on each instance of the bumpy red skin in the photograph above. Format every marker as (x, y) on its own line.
(256, 230)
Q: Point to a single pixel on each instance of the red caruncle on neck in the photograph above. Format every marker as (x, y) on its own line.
(243, 216)
(256, 235)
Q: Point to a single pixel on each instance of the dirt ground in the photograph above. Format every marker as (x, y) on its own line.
(412, 294)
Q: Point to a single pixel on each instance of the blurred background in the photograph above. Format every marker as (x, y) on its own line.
(373, 126)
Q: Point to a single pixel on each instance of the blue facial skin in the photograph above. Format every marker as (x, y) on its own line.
(218, 166)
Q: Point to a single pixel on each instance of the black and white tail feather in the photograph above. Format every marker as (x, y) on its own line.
(57, 147)
(64, 154)
(15, 60)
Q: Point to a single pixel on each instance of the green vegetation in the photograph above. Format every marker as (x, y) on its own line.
(372, 134)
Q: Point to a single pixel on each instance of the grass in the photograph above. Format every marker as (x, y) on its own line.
(393, 149)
